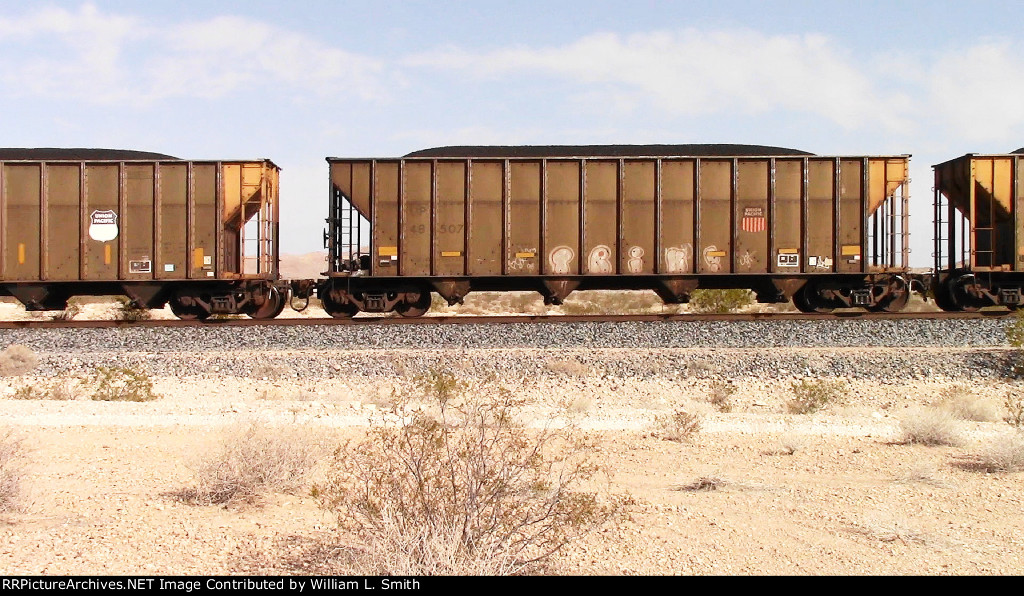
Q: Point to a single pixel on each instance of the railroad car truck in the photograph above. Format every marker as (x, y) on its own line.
(199, 235)
(824, 231)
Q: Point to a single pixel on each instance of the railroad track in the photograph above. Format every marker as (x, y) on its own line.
(504, 319)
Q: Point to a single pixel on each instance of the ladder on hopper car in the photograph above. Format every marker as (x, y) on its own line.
(945, 236)
(346, 230)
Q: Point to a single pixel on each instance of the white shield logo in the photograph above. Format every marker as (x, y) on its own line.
(103, 225)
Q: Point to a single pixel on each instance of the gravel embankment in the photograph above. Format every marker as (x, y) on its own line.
(903, 349)
(954, 333)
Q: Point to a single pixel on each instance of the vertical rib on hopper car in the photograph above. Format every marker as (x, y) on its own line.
(201, 235)
(827, 232)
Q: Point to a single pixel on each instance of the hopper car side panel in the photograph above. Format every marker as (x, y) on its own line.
(979, 232)
(154, 230)
(562, 223)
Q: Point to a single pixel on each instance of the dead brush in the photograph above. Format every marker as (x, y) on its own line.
(811, 395)
(964, 404)
(17, 359)
(464, 489)
(251, 462)
(12, 470)
(929, 426)
(720, 396)
(1014, 404)
(679, 426)
(48, 389)
(1003, 454)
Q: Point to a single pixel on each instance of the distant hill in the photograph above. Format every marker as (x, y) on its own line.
(307, 266)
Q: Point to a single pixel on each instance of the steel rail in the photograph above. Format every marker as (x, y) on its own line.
(503, 319)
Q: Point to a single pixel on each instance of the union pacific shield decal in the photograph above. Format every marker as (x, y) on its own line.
(753, 220)
(103, 225)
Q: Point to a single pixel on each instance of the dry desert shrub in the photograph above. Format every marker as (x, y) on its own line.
(929, 426)
(720, 395)
(17, 359)
(679, 426)
(12, 472)
(595, 302)
(811, 395)
(252, 461)
(270, 370)
(51, 389)
(960, 401)
(704, 484)
(462, 489)
(791, 442)
(1014, 405)
(569, 367)
(1003, 454)
(72, 310)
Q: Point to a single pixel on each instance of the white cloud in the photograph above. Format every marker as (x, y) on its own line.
(86, 55)
(697, 72)
(978, 92)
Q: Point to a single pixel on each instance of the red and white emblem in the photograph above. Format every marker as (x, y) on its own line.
(753, 220)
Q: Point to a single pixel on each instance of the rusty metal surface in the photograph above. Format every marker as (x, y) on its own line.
(135, 219)
(549, 215)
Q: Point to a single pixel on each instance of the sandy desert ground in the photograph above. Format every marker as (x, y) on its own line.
(834, 492)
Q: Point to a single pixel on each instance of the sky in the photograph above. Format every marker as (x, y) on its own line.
(296, 82)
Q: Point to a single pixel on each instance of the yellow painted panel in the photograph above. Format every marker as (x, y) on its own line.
(849, 250)
(387, 251)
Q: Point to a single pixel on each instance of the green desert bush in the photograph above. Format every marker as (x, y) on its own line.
(720, 301)
(127, 310)
(121, 383)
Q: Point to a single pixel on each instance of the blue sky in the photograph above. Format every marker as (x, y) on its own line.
(296, 82)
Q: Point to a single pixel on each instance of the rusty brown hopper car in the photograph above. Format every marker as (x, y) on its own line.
(979, 231)
(200, 235)
(827, 232)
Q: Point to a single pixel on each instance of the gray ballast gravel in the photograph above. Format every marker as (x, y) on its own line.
(641, 335)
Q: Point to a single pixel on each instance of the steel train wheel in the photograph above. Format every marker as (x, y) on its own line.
(418, 307)
(272, 307)
(961, 298)
(338, 310)
(943, 299)
(187, 313)
(893, 303)
(806, 299)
